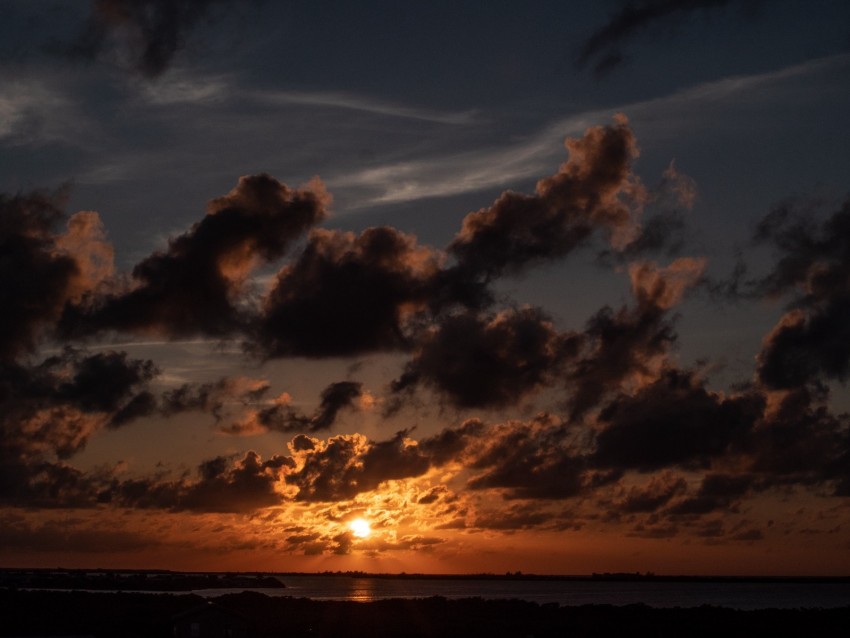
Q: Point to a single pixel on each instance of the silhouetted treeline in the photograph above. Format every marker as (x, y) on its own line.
(40, 613)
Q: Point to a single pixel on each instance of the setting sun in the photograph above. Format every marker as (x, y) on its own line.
(360, 527)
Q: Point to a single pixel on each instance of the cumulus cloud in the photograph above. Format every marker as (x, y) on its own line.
(195, 286)
(639, 435)
(223, 484)
(346, 465)
(42, 268)
(48, 413)
(593, 190)
(487, 361)
(811, 343)
(630, 346)
(673, 421)
(530, 460)
(348, 294)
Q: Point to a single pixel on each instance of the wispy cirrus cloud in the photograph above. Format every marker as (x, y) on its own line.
(367, 104)
(494, 165)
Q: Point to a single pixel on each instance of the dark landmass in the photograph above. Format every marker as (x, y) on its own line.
(144, 580)
(53, 613)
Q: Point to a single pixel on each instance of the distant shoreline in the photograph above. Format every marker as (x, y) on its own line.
(174, 580)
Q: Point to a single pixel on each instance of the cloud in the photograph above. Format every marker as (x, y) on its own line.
(654, 495)
(144, 34)
(604, 45)
(674, 421)
(56, 405)
(630, 346)
(479, 361)
(280, 416)
(530, 460)
(712, 106)
(811, 343)
(476, 360)
(212, 398)
(353, 102)
(223, 484)
(195, 286)
(594, 190)
(450, 443)
(347, 294)
(41, 268)
(512, 518)
(716, 492)
(346, 465)
(800, 441)
(48, 413)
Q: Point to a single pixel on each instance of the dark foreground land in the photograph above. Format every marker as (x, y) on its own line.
(55, 613)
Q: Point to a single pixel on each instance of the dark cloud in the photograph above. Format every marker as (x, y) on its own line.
(800, 442)
(450, 443)
(673, 421)
(663, 228)
(487, 361)
(811, 342)
(662, 233)
(347, 465)
(54, 407)
(101, 382)
(631, 344)
(282, 417)
(717, 492)
(142, 405)
(651, 497)
(594, 190)
(433, 495)
(530, 460)
(347, 294)
(214, 397)
(145, 34)
(28, 480)
(48, 413)
(244, 486)
(223, 484)
(604, 45)
(38, 272)
(516, 517)
(748, 535)
(196, 286)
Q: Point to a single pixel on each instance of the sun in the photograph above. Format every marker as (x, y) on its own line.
(360, 527)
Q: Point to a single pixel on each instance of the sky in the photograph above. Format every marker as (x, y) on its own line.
(443, 287)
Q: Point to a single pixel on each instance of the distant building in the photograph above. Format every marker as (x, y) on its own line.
(210, 621)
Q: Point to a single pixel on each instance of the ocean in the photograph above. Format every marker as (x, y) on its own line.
(736, 595)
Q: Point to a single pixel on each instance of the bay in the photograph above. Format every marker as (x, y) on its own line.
(745, 595)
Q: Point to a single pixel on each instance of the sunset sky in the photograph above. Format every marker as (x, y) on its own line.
(558, 287)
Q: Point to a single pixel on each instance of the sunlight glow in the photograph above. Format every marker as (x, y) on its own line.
(360, 527)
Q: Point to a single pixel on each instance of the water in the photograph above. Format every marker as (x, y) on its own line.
(737, 595)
